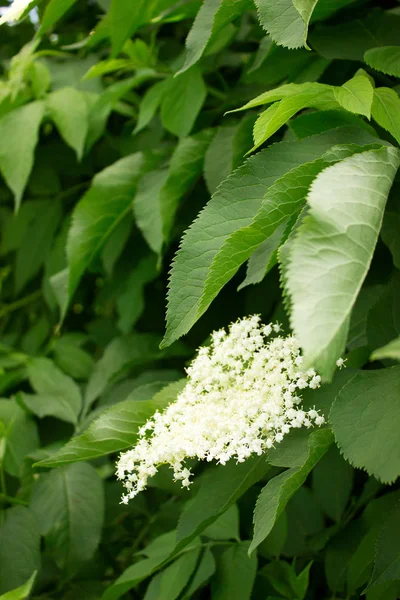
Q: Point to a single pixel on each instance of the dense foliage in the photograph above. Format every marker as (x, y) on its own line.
(224, 158)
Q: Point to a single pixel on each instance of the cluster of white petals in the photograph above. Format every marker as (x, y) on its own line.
(15, 11)
(241, 398)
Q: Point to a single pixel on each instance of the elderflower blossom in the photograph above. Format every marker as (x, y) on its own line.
(15, 11)
(241, 398)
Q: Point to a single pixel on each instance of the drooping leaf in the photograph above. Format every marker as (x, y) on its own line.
(99, 212)
(356, 95)
(220, 488)
(37, 240)
(385, 59)
(278, 491)
(203, 573)
(68, 504)
(159, 192)
(372, 444)
(115, 429)
(69, 111)
(125, 18)
(286, 21)
(183, 97)
(387, 554)
(21, 436)
(232, 208)
(236, 572)
(130, 302)
(332, 481)
(19, 133)
(386, 110)
(212, 17)
(19, 548)
(149, 105)
(57, 394)
(175, 577)
(347, 201)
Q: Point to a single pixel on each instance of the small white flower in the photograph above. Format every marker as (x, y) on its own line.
(340, 362)
(239, 400)
(15, 11)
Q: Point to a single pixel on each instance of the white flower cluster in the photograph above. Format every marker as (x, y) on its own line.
(240, 399)
(15, 11)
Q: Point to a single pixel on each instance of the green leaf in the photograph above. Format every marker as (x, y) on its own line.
(19, 134)
(20, 434)
(316, 122)
(19, 548)
(68, 504)
(332, 482)
(99, 212)
(232, 208)
(226, 527)
(391, 350)
(149, 105)
(347, 201)
(160, 192)
(175, 577)
(203, 573)
(372, 445)
(220, 487)
(278, 491)
(386, 59)
(277, 115)
(71, 358)
(130, 303)
(386, 111)
(286, 21)
(125, 18)
(115, 429)
(69, 111)
(212, 17)
(218, 159)
(184, 95)
(55, 9)
(387, 553)
(356, 95)
(57, 394)
(236, 572)
(36, 243)
(121, 355)
(21, 592)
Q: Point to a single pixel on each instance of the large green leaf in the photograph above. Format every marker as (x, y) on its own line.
(235, 575)
(184, 95)
(159, 192)
(328, 262)
(372, 445)
(356, 95)
(125, 18)
(175, 577)
(278, 491)
(386, 110)
(286, 20)
(19, 133)
(212, 17)
(57, 394)
(332, 481)
(232, 208)
(115, 429)
(99, 212)
(68, 504)
(19, 547)
(69, 111)
(386, 59)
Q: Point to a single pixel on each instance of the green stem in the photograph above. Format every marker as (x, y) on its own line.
(11, 500)
(8, 308)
